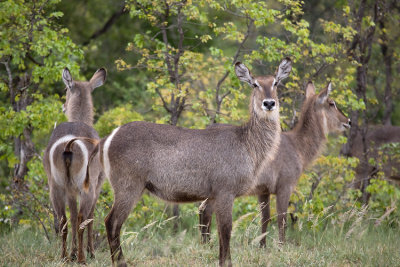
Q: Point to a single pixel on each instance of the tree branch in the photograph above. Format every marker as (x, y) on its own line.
(9, 73)
(166, 43)
(163, 101)
(218, 98)
(108, 24)
(33, 60)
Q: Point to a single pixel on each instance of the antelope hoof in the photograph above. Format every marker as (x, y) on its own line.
(91, 254)
(82, 261)
(122, 264)
(73, 256)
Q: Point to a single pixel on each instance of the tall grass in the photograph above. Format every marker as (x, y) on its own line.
(350, 240)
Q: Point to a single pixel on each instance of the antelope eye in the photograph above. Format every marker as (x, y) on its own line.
(331, 103)
(255, 85)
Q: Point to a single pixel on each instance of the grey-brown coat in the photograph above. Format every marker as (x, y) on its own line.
(66, 171)
(376, 136)
(185, 165)
(297, 149)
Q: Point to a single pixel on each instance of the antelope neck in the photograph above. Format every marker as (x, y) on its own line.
(261, 137)
(81, 110)
(308, 135)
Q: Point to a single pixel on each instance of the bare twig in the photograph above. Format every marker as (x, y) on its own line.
(218, 97)
(163, 101)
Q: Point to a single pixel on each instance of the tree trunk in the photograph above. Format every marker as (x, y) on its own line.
(360, 51)
(387, 60)
(24, 148)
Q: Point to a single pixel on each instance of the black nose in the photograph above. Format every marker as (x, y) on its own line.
(268, 104)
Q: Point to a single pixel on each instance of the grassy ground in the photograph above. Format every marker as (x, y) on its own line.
(156, 245)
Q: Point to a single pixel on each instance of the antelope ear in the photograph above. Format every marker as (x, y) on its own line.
(243, 73)
(323, 96)
(67, 78)
(310, 89)
(283, 71)
(98, 79)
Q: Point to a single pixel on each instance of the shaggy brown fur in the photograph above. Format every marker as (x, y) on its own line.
(376, 137)
(66, 171)
(185, 165)
(297, 149)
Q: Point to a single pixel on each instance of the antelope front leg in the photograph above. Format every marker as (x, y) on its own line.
(223, 211)
(282, 203)
(205, 217)
(263, 200)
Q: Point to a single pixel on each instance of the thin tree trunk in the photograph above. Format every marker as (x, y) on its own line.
(360, 51)
(387, 60)
(24, 148)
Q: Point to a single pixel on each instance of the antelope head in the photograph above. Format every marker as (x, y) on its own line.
(333, 119)
(265, 102)
(78, 103)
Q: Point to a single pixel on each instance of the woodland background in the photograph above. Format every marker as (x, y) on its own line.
(172, 62)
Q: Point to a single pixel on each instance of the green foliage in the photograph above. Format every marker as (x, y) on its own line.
(29, 31)
(115, 117)
(36, 43)
(33, 51)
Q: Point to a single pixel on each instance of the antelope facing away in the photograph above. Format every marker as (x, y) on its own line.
(66, 172)
(297, 149)
(187, 165)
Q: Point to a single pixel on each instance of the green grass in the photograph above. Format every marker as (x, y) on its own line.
(156, 245)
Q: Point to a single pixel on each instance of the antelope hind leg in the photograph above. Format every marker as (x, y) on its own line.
(282, 203)
(124, 200)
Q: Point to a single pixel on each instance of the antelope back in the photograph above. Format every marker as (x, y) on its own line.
(377, 136)
(53, 157)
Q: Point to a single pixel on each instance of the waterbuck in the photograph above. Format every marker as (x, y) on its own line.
(297, 149)
(375, 137)
(66, 171)
(186, 165)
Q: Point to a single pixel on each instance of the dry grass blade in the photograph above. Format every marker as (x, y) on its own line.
(386, 214)
(258, 238)
(64, 228)
(84, 224)
(151, 224)
(240, 219)
(203, 205)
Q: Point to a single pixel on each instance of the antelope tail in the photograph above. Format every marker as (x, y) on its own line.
(67, 156)
(94, 152)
